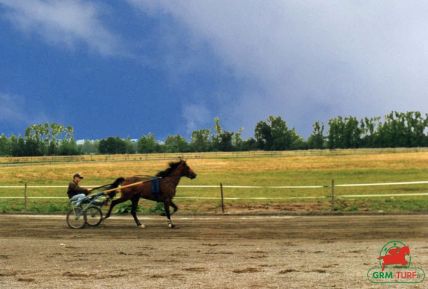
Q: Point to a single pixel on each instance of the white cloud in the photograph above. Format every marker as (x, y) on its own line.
(63, 22)
(11, 109)
(312, 60)
(15, 111)
(196, 116)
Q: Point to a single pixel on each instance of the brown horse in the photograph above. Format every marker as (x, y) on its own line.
(162, 191)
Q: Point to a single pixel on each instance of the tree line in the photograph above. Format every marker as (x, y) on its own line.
(396, 129)
(40, 140)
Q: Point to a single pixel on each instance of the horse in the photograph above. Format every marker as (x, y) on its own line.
(163, 190)
(395, 256)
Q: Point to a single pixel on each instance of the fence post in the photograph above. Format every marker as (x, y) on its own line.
(222, 198)
(25, 197)
(332, 195)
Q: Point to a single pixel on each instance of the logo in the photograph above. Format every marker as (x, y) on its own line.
(395, 266)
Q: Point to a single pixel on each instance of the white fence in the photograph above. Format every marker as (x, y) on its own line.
(332, 187)
(331, 196)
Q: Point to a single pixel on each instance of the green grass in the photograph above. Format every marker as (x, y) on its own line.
(247, 168)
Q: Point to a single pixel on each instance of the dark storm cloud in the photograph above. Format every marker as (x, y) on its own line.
(309, 60)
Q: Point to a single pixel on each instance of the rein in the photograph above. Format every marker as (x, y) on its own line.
(130, 185)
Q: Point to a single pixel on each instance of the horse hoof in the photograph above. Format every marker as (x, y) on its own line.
(171, 226)
(142, 226)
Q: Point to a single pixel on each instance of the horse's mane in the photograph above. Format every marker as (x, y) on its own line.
(169, 170)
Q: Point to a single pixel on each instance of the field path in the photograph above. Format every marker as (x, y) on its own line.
(204, 252)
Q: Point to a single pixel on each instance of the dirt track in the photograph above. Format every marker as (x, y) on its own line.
(204, 252)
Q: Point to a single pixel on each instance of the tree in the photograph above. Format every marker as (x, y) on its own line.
(280, 135)
(296, 141)
(89, 147)
(237, 141)
(249, 144)
(17, 146)
(112, 145)
(263, 135)
(176, 143)
(316, 139)
(274, 134)
(370, 132)
(222, 140)
(68, 147)
(344, 133)
(5, 146)
(148, 144)
(45, 138)
(201, 140)
(131, 146)
(32, 148)
(335, 133)
(352, 133)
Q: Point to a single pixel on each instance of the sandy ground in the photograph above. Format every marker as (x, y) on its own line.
(204, 252)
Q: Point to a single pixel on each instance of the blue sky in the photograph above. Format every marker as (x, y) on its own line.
(127, 68)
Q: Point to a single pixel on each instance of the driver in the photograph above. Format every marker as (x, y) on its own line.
(75, 192)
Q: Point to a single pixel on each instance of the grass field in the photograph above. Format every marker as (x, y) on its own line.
(246, 168)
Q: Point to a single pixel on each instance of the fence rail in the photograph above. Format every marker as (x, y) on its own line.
(241, 186)
(221, 197)
(12, 161)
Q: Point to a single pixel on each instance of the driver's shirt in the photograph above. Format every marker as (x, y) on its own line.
(75, 189)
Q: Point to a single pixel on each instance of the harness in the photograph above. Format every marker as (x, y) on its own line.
(156, 188)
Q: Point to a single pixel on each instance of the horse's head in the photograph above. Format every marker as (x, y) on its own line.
(177, 169)
(405, 250)
(186, 171)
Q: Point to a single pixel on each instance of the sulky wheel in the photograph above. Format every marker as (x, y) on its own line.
(76, 218)
(93, 216)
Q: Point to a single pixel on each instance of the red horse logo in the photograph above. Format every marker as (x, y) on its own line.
(395, 256)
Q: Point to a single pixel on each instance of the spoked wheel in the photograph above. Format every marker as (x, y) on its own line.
(76, 218)
(93, 216)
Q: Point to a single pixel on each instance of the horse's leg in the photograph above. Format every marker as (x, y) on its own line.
(114, 203)
(166, 205)
(174, 206)
(134, 210)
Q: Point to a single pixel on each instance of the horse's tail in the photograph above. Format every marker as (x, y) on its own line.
(114, 185)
